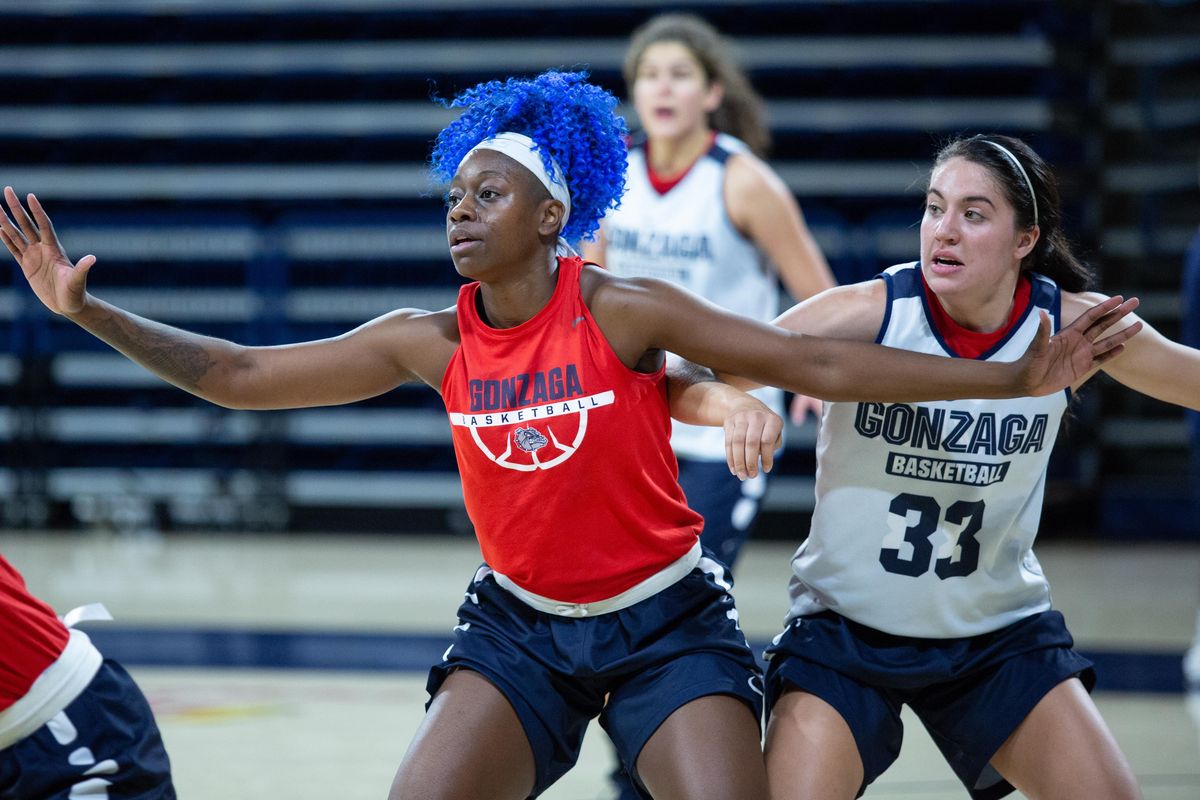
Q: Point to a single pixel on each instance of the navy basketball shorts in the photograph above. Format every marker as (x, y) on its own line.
(105, 743)
(648, 660)
(729, 506)
(971, 693)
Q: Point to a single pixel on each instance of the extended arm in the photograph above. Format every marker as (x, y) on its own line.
(375, 357)
(1151, 363)
(644, 314)
(354, 366)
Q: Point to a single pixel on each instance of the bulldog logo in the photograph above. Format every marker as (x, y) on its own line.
(529, 439)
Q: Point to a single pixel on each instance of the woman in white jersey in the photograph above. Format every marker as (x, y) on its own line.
(702, 210)
(917, 584)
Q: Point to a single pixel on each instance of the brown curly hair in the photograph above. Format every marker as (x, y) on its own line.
(742, 112)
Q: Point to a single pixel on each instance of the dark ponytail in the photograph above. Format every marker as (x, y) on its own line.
(1052, 255)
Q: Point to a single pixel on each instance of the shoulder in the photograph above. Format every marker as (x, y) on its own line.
(626, 304)
(409, 327)
(1075, 303)
(854, 311)
(756, 198)
(746, 175)
(603, 289)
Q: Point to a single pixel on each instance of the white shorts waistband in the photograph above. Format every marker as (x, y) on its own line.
(55, 689)
(660, 580)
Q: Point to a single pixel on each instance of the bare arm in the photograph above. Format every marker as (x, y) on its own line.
(362, 363)
(753, 432)
(398, 347)
(763, 208)
(1151, 363)
(854, 311)
(638, 315)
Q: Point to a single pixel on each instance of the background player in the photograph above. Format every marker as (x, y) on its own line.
(72, 723)
(701, 209)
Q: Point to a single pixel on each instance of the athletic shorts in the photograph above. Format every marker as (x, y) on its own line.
(971, 693)
(729, 506)
(649, 659)
(105, 743)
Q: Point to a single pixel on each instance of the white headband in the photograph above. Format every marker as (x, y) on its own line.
(1020, 169)
(524, 151)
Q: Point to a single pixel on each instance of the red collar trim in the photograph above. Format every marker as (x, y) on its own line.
(663, 184)
(972, 344)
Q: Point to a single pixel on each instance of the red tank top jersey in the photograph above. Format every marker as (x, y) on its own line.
(31, 636)
(564, 452)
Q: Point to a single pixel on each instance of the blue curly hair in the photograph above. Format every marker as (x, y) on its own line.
(572, 121)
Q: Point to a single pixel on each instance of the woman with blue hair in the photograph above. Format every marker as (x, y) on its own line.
(595, 598)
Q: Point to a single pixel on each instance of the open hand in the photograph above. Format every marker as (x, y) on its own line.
(753, 432)
(802, 405)
(33, 243)
(1053, 363)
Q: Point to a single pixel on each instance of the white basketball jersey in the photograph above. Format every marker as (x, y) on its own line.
(686, 237)
(926, 513)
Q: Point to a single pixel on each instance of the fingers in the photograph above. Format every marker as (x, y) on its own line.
(752, 438)
(20, 216)
(801, 406)
(769, 444)
(1112, 317)
(735, 445)
(1102, 315)
(1110, 347)
(80, 273)
(13, 238)
(9, 243)
(45, 226)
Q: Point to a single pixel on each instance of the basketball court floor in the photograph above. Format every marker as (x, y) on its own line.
(295, 666)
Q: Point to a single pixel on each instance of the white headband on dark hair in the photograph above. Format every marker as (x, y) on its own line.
(524, 151)
(1020, 169)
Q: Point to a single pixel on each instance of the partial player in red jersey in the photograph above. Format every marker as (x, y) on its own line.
(72, 723)
(596, 598)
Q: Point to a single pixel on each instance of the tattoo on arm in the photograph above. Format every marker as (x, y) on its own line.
(169, 353)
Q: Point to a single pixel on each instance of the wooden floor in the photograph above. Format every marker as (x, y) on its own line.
(300, 732)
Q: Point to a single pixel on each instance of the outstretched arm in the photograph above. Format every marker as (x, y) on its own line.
(644, 314)
(1151, 363)
(359, 364)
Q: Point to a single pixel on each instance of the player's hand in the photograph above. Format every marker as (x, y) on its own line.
(33, 243)
(753, 432)
(1052, 363)
(802, 406)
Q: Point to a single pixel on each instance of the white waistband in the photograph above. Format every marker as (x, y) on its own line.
(55, 689)
(634, 594)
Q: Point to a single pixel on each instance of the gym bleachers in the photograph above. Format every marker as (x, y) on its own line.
(255, 170)
(1150, 210)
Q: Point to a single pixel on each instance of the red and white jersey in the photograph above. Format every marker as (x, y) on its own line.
(31, 636)
(564, 452)
(44, 665)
